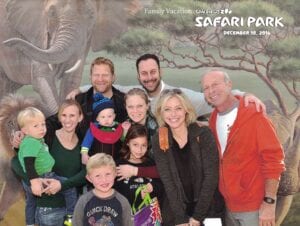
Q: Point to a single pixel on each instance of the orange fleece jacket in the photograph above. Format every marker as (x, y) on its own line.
(252, 155)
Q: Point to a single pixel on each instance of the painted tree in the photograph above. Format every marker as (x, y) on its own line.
(269, 52)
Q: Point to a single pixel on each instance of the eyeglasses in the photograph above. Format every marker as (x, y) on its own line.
(171, 91)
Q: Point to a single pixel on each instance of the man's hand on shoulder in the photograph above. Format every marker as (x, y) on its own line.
(250, 98)
(73, 94)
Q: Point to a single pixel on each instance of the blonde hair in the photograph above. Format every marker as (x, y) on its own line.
(105, 61)
(28, 114)
(98, 160)
(186, 103)
(66, 103)
(137, 92)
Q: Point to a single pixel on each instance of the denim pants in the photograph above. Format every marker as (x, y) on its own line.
(30, 205)
(46, 216)
(70, 194)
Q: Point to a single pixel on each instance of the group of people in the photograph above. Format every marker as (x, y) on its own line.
(122, 138)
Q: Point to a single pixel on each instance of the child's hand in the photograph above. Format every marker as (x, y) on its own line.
(84, 158)
(147, 189)
(36, 186)
(126, 125)
(73, 94)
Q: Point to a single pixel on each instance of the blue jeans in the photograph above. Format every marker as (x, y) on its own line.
(46, 216)
(70, 194)
(30, 205)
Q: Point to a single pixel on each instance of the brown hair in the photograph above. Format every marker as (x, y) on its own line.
(138, 92)
(145, 57)
(135, 131)
(66, 103)
(103, 60)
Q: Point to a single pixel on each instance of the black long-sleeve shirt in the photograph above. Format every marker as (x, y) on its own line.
(128, 187)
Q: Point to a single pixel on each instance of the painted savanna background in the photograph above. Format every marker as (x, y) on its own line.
(266, 65)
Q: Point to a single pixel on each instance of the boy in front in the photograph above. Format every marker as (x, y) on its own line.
(102, 205)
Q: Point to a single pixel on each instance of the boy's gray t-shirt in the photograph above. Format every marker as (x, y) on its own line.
(92, 210)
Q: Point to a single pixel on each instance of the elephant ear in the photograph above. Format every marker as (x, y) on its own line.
(28, 18)
(282, 126)
(281, 123)
(111, 21)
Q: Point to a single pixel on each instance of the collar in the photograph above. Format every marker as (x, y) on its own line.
(234, 106)
(112, 93)
(106, 137)
(162, 86)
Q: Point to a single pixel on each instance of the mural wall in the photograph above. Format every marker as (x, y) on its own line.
(45, 44)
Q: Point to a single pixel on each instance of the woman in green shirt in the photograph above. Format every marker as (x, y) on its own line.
(64, 146)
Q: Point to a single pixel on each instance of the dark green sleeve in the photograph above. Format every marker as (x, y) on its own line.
(17, 169)
(52, 124)
(75, 181)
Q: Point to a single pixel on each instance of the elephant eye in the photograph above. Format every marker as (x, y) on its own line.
(51, 12)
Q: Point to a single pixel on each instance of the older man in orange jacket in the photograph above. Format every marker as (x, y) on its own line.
(251, 157)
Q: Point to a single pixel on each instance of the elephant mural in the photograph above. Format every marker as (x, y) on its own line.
(288, 132)
(45, 43)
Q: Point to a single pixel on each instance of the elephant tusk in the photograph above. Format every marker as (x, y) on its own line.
(50, 66)
(2, 189)
(75, 67)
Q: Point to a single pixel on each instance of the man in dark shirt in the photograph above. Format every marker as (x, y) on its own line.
(102, 78)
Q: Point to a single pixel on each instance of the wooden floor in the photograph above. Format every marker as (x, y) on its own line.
(15, 215)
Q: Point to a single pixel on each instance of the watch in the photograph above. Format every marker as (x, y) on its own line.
(269, 200)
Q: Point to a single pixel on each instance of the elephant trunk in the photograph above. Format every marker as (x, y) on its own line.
(68, 39)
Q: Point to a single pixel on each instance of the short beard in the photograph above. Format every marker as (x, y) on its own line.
(151, 91)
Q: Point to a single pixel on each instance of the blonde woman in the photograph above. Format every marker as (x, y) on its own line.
(187, 162)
